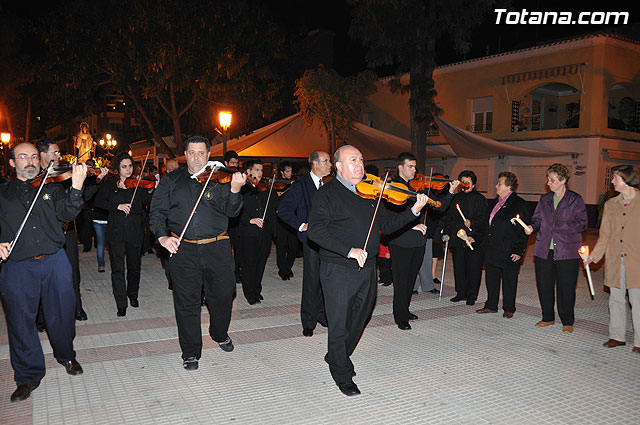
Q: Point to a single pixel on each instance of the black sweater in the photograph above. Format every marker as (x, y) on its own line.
(339, 220)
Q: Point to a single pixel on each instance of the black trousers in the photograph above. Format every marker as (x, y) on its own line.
(286, 248)
(557, 277)
(85, 228)
(256, 244)
(405, 263)
(194, 268)
(349, 297)
(385, 270)
(509, 277)
(123, 289)
(312, 302)
(234, 236)
(467, 271)
(23, 285)
(71, 249)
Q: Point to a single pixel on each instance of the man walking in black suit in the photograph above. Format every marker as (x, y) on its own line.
(339, 222)
(294, 210)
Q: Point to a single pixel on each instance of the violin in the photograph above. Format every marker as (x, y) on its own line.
(395, 193)
(264, 184)
(145, 182)
(421, 182)
(220, 174)
(62, 173)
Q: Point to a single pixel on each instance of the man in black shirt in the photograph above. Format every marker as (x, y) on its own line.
(407, 245)
(203, 258)
(37, 268)
(339, 222)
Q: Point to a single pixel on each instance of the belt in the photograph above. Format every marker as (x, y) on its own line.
(220, 237)
(38, 257)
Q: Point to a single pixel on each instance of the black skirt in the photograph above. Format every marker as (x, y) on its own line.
(438, 247)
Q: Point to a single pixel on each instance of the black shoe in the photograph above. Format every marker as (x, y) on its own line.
(323, 323)
(86, 249)
(471, 302)
(307, 331)
(434, 291)
(101, 269)
(122, 312)
(81, 315)
(260, 297)
(413, 316)
(414, 292)
(226, 345)
(252, 302)
(349, 388)
(387, 284)
(405, 326)
(436, 280)
(238, 279)
(290, 274)
(41, 328)
(458, 298)
(134, 302)
(190, 363)
(23, 392)
(72, 367)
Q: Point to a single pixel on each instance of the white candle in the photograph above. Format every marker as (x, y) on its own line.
(462, 215)
(584, 253)
(519, 220)
(463, 235)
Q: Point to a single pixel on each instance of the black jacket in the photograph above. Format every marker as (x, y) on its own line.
(505, 238)
(474, 208)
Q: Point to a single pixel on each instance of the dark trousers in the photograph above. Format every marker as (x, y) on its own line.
(349, 297)
(122, 289)
(71, 249)
(405, 264)
(286, 248)
(385, 271)
(467, 271)
(195, 268)
(85, 228)
(312, 303)
(557, 276)
(234, 237)
(23, 285)
(509, 277)
(255, 251)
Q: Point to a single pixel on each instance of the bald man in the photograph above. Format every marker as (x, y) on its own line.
(339, 223)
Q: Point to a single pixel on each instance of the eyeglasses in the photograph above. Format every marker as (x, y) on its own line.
(25, 157)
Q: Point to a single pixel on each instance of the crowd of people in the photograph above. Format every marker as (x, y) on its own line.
(214, 224)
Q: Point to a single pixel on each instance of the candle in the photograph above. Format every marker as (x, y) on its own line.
(463, 235)
(584, 253)
(461, 214)
(519, 220)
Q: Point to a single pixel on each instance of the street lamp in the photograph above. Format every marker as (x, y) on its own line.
(225, 122)
(108, 144)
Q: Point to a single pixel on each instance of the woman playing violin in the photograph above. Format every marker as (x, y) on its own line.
(124, 230)
(257, 222)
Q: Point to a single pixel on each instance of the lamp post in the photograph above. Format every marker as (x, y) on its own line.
(225, 122)
(108, 143)
(6, 139)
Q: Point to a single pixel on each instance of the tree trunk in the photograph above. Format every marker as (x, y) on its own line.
(156, 137)
(421, 104)
(28, 120)
(175, 120)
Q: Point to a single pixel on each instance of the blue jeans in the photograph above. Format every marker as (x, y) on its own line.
(101, 230)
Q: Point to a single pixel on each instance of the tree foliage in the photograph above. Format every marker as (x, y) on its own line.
(333, 100)
(403, 34)
(168, 55)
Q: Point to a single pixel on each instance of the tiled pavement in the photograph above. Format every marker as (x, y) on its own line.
(454, 367)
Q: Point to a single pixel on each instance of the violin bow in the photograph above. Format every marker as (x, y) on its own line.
(426, 210)
(184, 229)
(273, 180)
(26, 217)
(375, 213)
(139, 178)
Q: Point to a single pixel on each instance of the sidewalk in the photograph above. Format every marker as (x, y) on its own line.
(453, 367)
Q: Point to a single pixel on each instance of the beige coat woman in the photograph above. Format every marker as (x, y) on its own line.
(620, 232)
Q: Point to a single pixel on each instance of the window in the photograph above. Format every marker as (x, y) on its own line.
(481, 115)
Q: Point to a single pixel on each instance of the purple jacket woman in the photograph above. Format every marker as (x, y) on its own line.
(559, 219)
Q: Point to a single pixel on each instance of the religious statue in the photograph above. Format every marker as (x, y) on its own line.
(84, 143)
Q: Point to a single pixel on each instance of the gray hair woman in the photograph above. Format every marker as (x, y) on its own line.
(618, 241)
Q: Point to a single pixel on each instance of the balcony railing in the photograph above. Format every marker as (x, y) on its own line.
(483, 128)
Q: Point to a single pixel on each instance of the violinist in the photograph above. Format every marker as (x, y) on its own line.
(37, 269)
(408, 245)
(257, 225)
(202, 259)
(125, 231)
(294, 210)
(467, 263)
(232, 161)
(341, 222)
(286, 239)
